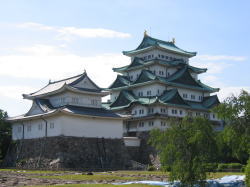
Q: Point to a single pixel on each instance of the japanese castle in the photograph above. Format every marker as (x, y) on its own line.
(68, 107)
(158, 85)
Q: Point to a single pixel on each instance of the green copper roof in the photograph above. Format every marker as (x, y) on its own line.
(182, 78)
(169, 97)
(120, 82)
(150, 43)
(139, 63)
(145, 76)
(211, 101)
(172, 97)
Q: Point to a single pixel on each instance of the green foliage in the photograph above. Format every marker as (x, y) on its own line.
(211, 167)
(151, 168)
(5, 134)
(230, 166)
(186, 146)
(234, 141)
(247, 172)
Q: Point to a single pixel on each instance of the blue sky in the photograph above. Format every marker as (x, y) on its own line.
(53, 39)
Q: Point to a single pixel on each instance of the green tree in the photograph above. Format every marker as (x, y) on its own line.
(247, 171)
(5, 134)
(186, 146)
(235, 110)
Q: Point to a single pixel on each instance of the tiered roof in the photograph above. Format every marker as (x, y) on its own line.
(169, 97)
(182, 78)
(139, 63)
(65, 84)
(149, 43)
(48, 110)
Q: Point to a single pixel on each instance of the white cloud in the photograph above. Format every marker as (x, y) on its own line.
(219, 57)
(49, 62)
(14, 92)
(228, 91)
(69, 33)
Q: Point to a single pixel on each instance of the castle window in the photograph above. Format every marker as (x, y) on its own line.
(159, 55)
(150, 123)
(163, 110)
(152, 55)
(141, 111)
(158, 91)
(151, 110)
(162, 56)
(29, 128)
(62, 99)
(174, 111)
(200, 98)
(149, 56)
(141, 124)
(135, 112)
(149, 92)
(75, 100)
(140, 93)
(184, 95)
(163, 123)
(206, 115)
(180, 112)
(192, 96)
(51, 125)
(198, 114)
(166, 57)
(40, 126)
(95, 102)
(213, 116)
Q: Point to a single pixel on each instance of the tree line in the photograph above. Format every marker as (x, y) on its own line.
(188, 146)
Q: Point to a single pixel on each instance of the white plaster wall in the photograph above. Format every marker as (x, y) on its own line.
(189, 93)
(184, 112)
(194, 75)
(157, 68)
(35, 109)
(35, 132)
(92, 127)
(86, 83)
(133, 74)
(70, 98)
(171, 71)
(137, 108)
(158, 53)
(152, 87)
(114, 95)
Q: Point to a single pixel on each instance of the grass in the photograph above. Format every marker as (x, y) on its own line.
(142, 172)
(96, 177)
(96, 185)
(33, 171)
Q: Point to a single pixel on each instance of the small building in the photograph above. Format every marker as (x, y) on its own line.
(68, 107)
(67, 127)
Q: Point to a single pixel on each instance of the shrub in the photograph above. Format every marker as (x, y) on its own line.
(165, 168)
(247, 172)
(211, 167)
(229, 166)
(151, 168)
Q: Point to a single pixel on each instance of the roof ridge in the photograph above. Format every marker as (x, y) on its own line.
(67, 78)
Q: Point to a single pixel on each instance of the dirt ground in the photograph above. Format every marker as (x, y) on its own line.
(22, 178)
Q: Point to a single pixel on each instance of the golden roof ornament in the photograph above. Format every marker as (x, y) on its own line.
(173, 40)
(145, 33)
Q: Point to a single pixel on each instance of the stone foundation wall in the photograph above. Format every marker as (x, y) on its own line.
(144, 154)
(68, 152)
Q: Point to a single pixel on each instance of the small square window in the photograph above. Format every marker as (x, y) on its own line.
(51, 125)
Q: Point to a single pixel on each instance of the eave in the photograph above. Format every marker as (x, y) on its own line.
(62, 89)
(146, 49)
